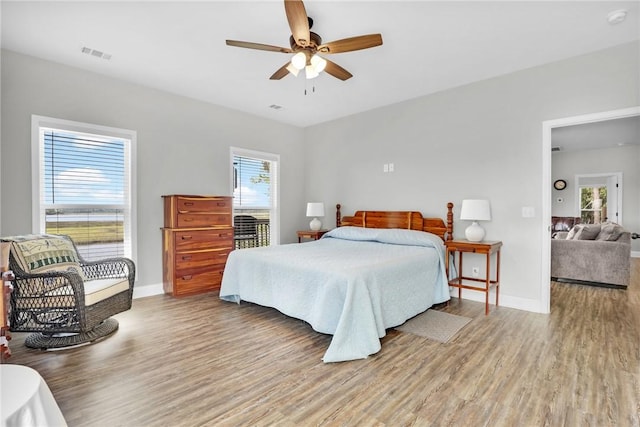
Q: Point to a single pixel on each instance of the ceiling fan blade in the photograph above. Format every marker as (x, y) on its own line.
(298, 21)
(282, 71)
(258, 46)
(351, 44)
(337, 71)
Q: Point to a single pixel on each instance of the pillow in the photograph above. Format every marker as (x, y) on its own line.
(396, 236)
(587, 232)
(610, 232)
(41, 253)
(574, 230)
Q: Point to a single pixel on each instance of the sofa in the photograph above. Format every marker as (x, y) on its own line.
(598, 254)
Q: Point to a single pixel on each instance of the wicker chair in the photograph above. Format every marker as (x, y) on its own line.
(65, 299)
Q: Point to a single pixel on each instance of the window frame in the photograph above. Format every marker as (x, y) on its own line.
(37, 171)
(274, 226)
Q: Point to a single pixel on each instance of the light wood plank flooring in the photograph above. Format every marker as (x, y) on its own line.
(198, 361)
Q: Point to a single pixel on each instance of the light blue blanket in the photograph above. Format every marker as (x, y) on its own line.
(354, 283)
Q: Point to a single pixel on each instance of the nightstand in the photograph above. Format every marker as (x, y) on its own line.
(310, 234)
(485, 247)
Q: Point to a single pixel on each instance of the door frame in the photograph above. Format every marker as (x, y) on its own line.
(545, 220)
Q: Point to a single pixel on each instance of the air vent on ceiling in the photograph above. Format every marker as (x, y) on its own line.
(96, 53)
(275, 106)
(555, 148)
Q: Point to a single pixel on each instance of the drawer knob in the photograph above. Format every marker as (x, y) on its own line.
(189, 277)
(186, 257)
(188, 203)
(187, 237)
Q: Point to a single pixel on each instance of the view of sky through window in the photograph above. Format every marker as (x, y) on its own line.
(83, 169)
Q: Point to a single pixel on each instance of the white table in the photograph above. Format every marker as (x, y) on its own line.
(26, 399)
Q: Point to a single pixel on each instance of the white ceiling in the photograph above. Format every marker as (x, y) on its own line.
(428, 46)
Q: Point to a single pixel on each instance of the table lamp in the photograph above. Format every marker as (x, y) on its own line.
(475, 210)
(315, 210)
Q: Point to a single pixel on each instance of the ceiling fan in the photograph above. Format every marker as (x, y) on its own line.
(307, 45)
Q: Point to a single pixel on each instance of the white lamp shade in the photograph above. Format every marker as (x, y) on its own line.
(293, 70)
(475, 210)
(315, 209)
(299, 60)
(310, 72)
(318, 63)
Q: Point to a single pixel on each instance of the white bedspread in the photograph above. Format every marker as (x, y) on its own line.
(354, 283)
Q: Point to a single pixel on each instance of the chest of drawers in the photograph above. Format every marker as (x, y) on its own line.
(196, 239)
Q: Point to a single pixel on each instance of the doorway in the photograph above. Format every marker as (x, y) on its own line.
(547, 127)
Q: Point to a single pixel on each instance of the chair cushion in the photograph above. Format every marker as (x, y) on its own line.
(101, 289)
(40, 253)
(94, 291)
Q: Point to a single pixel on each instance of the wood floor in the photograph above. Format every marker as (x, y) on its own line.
(198, 361)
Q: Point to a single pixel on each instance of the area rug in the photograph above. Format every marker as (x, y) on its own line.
(435, 325)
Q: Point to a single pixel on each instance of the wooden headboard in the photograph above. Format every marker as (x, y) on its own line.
(399, 219)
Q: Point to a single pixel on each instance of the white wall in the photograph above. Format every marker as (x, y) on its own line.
(626, 159)
(183, 145)
(479, 140)
(483, 140)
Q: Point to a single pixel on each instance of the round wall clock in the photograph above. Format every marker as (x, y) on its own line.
(560, 184)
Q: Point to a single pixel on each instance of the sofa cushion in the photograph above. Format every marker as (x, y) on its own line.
(587, 232)
(41, 253)
(610, 232)
(574, 230)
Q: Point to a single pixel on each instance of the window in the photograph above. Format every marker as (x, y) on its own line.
(83, 185)
(593, 205)
(255, 197)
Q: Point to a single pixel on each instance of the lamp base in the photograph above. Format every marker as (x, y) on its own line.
(474, 232)
(315, 224)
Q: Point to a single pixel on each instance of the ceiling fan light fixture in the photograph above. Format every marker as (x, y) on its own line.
(293, 70)
(310, 72)
(299, 60)
(318, 63)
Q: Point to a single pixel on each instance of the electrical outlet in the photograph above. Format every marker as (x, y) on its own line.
(475, 271)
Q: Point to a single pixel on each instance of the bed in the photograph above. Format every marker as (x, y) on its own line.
(374, 271)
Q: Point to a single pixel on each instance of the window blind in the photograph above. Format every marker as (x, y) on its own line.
(85, 191)
(252, 183)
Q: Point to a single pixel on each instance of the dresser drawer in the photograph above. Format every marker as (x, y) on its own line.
(202, 204)
(197, 211)
(202, 219)
(198, 261)
(194, 240)
(194, 283)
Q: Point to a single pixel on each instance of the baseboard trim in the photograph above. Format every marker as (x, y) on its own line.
(147, 291)
(509, 301)
(635, 254)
